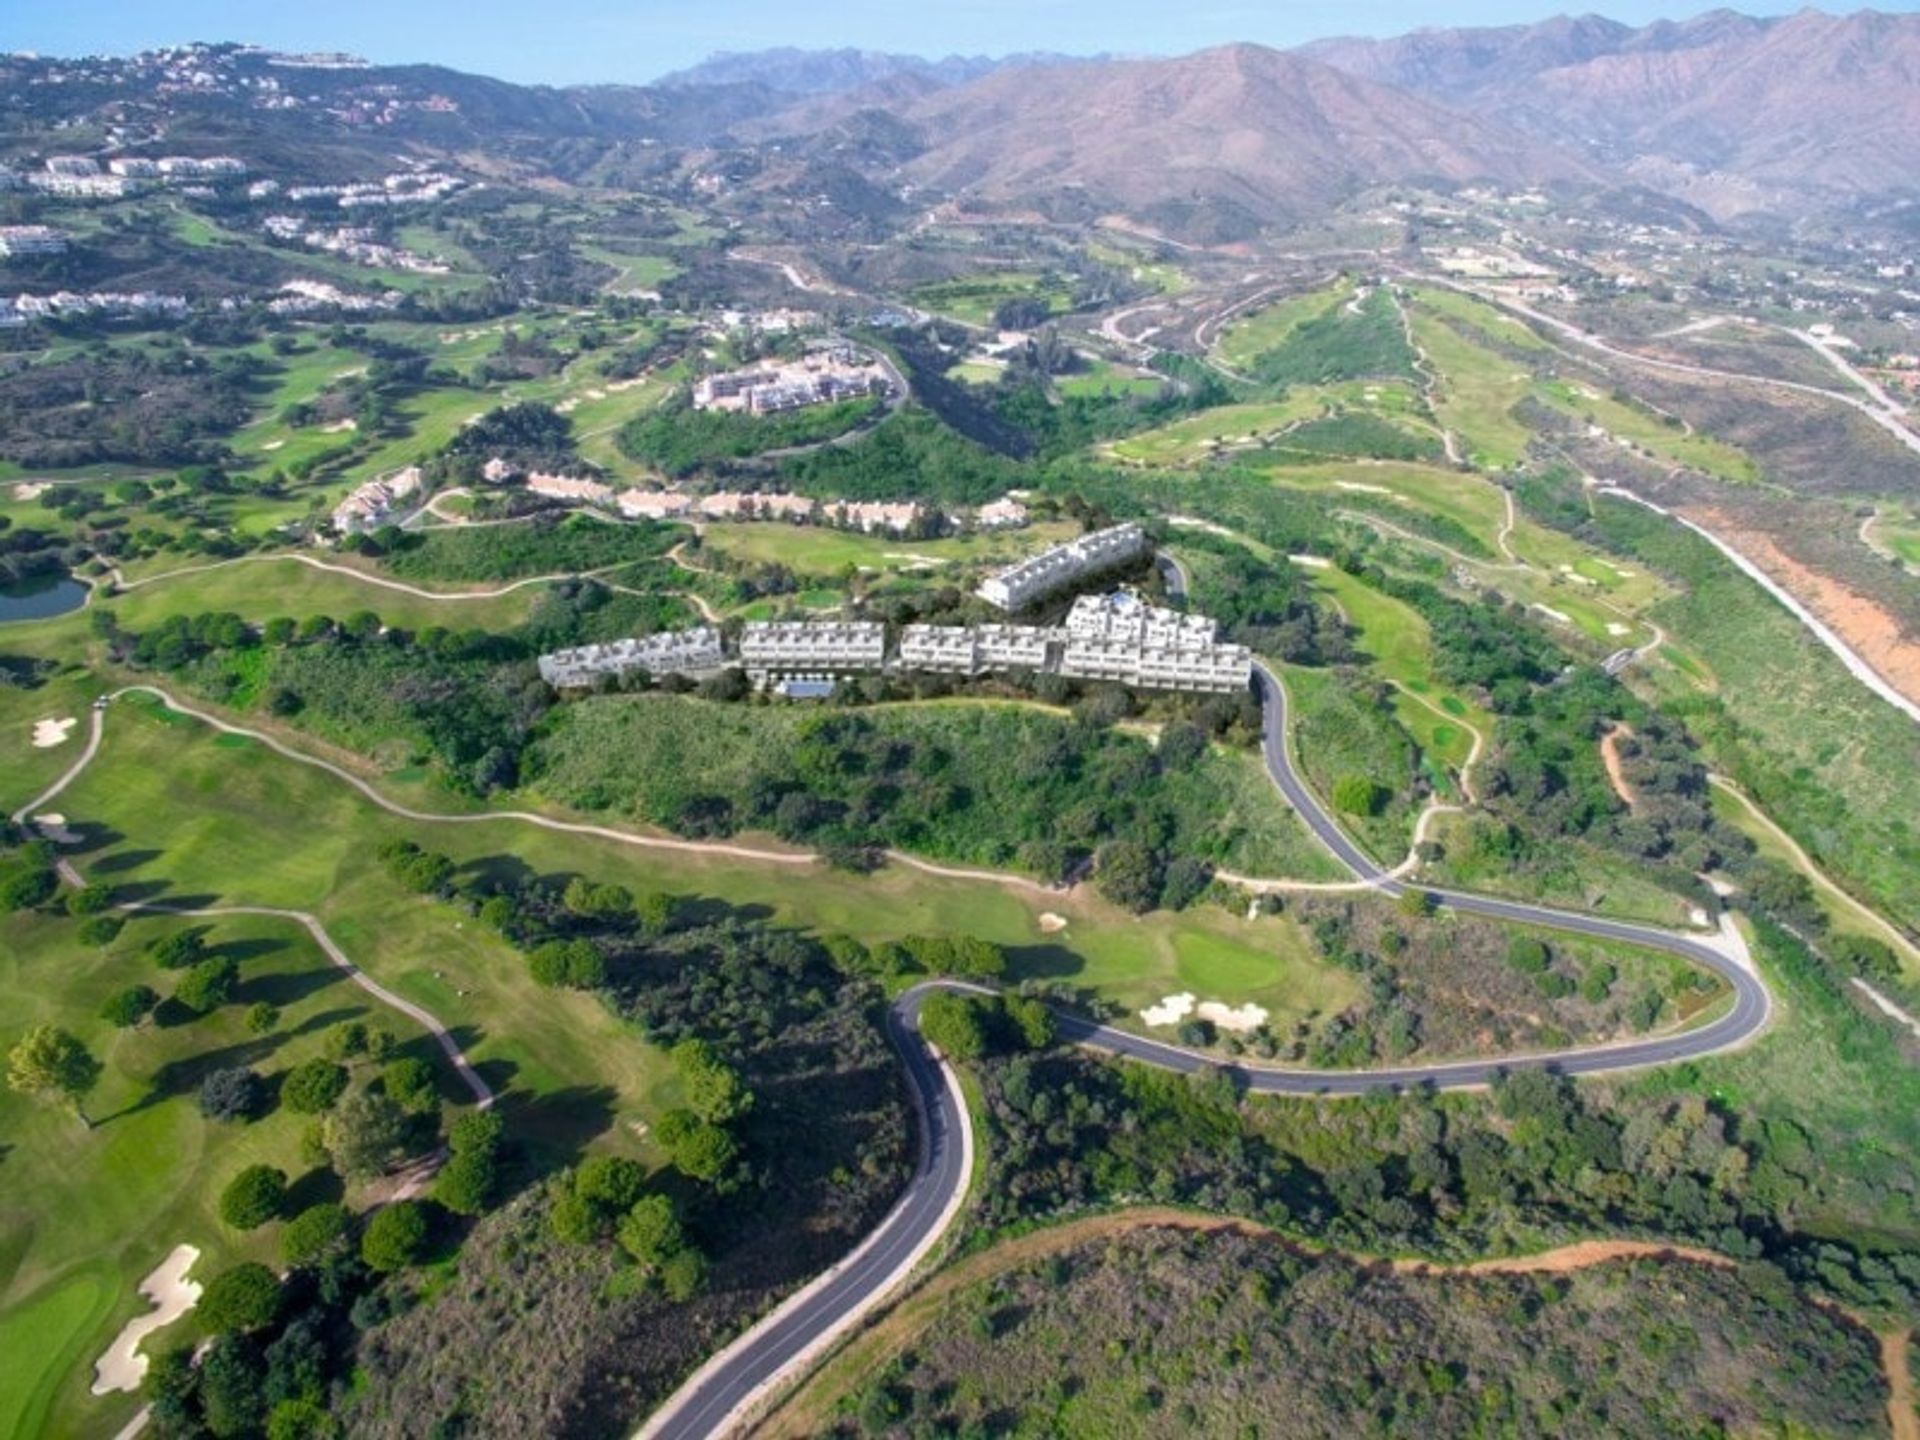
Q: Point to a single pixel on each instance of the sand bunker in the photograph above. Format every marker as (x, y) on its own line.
(30, 489)
(1238, 1018)
(340, 427)
(123, 1367)
(1172, 1009)
(49, 733)
(1614, 627)
(1052, 924)
(1551, 613)
(1311, 562)
(1364, 489)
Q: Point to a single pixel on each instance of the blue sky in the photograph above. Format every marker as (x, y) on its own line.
(566, 41)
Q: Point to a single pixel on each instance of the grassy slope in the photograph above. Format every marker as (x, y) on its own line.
(1829, 761)
(1252, 335)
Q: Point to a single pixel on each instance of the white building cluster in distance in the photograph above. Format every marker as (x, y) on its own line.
(1053, 570)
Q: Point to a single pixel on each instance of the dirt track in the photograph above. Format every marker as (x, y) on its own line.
(898, 1326)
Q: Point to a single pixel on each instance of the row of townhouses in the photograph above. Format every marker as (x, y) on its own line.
(672, 652)
(1053, 570)
(1163, 651)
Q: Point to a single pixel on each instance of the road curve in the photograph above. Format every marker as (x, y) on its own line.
(721, 1396)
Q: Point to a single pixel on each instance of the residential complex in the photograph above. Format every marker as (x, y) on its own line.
(373, 504)
(1148, 648)
(672, 652)
(1054, 570)
(824, 376)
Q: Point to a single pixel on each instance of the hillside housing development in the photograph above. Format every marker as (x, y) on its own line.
(1117, 638)
(821, 377)
(1053, 570)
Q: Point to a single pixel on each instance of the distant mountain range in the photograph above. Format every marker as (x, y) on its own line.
(830, 72)
(1208, 144)
(1809, 103)
(1728, 113)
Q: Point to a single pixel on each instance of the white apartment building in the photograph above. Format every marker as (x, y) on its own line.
(1219, 668)
(671, 652)
(1126, 618)
(1052, 570)
(813, 645)
(977, 649)
(31, 240)
(942, 649)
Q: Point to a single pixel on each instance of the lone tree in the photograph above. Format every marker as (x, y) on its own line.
(1357, 795)
(51, 1062)
(253, 1197)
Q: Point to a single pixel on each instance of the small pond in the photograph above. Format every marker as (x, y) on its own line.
(40, 597)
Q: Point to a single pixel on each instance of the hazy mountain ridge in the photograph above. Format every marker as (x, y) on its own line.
(1809, 102)
(1272, 135)
(799, 72)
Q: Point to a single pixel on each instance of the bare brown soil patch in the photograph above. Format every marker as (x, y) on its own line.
(1616, 772)
(1901, 1414)
(1873, 632)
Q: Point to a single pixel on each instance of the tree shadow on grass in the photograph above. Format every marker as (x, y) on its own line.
(1043, 962)
(185, 1075)
(121, 861)
(319, 1186)
(285, 988)
(327, 1019)
(508, 873)
(250, 949)
(692, 911)
(552, 1129)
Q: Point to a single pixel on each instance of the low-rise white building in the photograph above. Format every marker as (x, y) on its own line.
(371, 505)
(694, 651)
(978, 649)
(1054, 569)
(1125, 618)
(637, 504)
(568, 488)
(1005, 513)
(813, 645)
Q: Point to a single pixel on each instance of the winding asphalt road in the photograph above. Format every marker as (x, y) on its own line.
(723, 1392)
(718, 1399)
